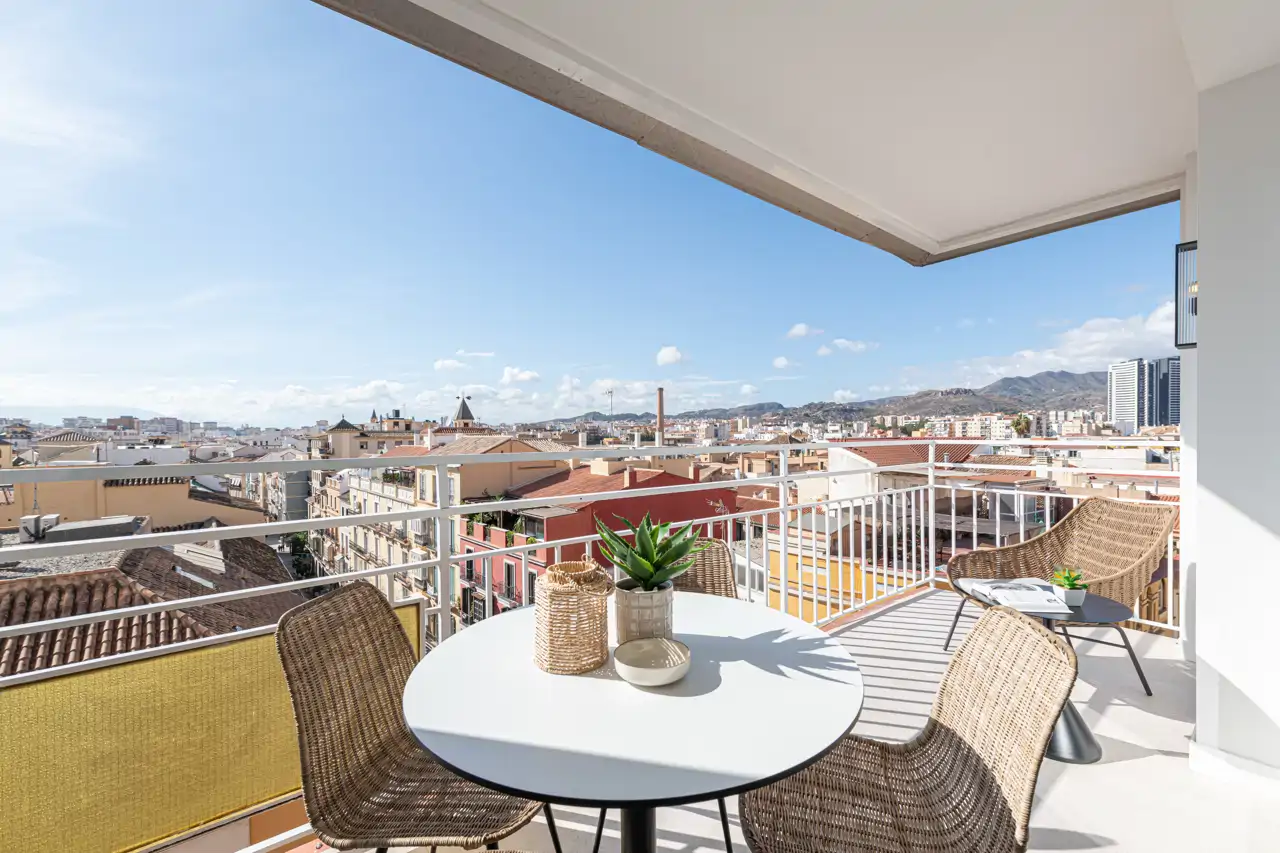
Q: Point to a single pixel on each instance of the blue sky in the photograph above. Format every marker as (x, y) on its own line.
(268, 213)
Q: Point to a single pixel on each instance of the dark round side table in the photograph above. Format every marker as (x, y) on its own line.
(1072, 742)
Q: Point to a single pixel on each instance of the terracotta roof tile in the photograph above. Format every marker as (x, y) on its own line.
(68, 436)
(408, 450)
(49, 596)
(145, 481)
(907, 454)
(580, 481)
(470, 444)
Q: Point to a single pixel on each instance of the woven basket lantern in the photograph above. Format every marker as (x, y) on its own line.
(572, 633)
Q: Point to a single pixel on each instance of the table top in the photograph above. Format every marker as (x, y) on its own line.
(1096, 610)
(766, 695)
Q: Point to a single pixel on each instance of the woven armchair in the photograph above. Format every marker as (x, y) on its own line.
(712, 571)
(963, 784)
(366, 781)
(1116, 545)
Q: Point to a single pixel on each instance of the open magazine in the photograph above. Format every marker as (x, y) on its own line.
(1029, 595)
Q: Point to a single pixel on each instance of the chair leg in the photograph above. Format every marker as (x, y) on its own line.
(1069, 640)
(724, 824)
(492, 845)
(551, 825)
(1133, 657)
(954, 622)
(595, 848)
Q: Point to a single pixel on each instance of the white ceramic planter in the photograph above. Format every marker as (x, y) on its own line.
(642, 615)
(1070, 597)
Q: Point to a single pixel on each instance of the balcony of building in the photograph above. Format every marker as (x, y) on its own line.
(869, 567)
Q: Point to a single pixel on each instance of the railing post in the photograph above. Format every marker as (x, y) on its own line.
(444, 546)
(933, 538)
(784, 518)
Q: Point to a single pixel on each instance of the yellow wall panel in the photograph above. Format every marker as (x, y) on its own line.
(116, 758)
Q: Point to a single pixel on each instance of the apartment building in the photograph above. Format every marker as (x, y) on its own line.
(509, 577)
(347, 441)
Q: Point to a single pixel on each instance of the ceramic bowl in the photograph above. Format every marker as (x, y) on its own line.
(651, 662)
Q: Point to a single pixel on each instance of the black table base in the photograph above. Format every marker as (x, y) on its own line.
(1071, 741)
(639, 830)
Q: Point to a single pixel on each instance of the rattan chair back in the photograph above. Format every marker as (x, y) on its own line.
(990, 724)
(347, 659)
(712, 571)
(1116, 545)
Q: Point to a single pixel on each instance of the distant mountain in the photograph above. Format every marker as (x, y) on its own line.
(54, 414)
(1048, 390)
(601, 416)
(1053, 389)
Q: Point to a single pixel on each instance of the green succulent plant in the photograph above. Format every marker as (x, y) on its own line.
(1068, 578)
(657, 556)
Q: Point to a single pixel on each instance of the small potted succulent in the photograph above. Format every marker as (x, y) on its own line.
(1069, 586)
(643, 598)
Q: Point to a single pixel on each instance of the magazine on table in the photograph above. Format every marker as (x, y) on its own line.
(1029, 595)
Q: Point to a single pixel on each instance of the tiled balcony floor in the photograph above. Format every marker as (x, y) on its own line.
(1140, 797)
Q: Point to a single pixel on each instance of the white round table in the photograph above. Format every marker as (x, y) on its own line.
(766, 695)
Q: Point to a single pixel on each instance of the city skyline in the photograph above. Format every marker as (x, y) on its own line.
(439, 234)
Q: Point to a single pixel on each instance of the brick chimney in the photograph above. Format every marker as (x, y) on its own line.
(626, 477)
(658, 433)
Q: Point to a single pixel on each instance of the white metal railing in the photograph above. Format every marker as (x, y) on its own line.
(895, 548)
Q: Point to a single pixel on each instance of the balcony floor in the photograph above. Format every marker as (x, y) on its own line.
(1141, 797)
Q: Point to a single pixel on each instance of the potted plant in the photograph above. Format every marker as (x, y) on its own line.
(643, 598)
(1069, 586)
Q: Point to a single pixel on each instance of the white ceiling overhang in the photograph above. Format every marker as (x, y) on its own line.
(929, 129)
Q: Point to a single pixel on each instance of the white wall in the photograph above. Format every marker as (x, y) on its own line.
(1188, 460)
(1238, 527)
(117, 455)
(851, 477)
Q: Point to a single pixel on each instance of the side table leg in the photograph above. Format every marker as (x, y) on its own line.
(1071, 741)
(1133, 657)
(639, 830)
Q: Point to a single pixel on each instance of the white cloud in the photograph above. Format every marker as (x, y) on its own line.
(879, 389)
(568, 392)
(669, 355)
(448, 364)
(748, 390)
(855, 346)
(782, 378)
(468, 354)
(844, 395)
(802, 330)
(782, 363)
(511, 375)
(909, 388)
(824, 350)
(991, 321)
(1092, 345)
(965, 323)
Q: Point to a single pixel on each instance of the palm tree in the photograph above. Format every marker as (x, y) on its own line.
(1022, 426)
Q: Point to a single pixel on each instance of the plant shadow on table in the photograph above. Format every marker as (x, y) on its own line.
(774, 652)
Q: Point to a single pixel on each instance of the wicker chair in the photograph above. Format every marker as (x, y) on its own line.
(963, 784)
(712, 571)
(1116, 545)
(366, 782)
